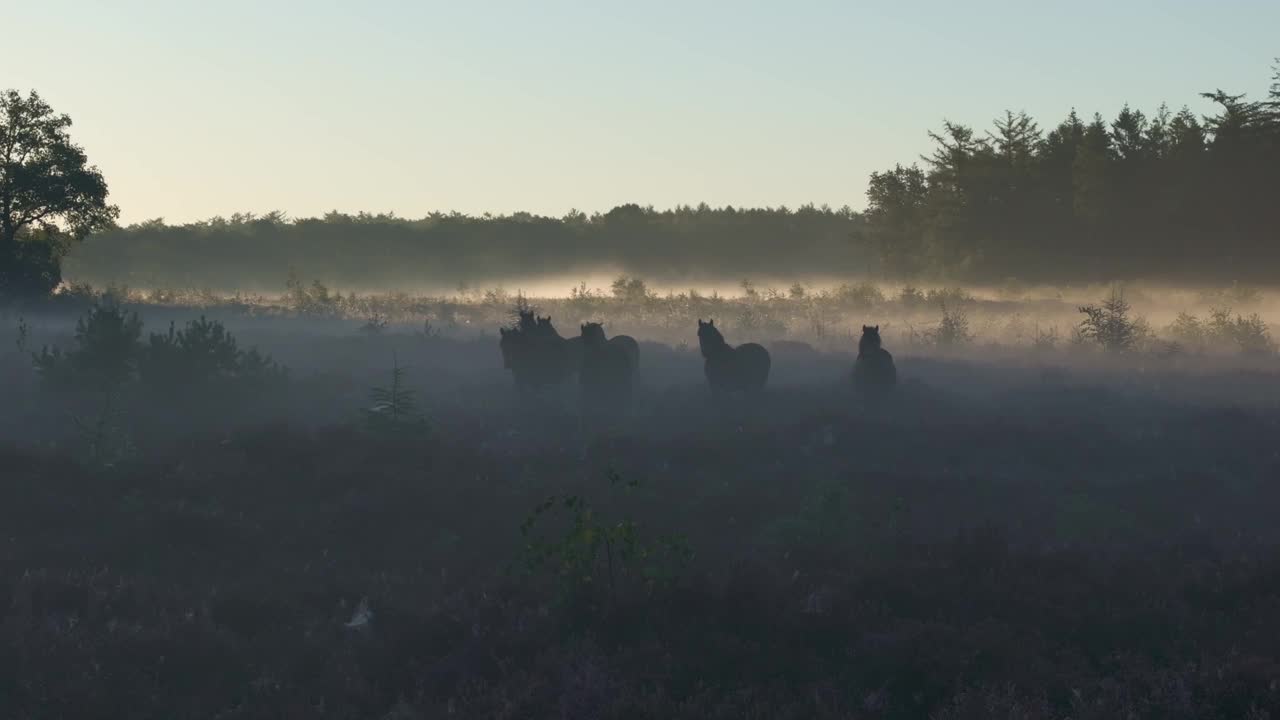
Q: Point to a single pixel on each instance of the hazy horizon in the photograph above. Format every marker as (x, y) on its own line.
(193, 111)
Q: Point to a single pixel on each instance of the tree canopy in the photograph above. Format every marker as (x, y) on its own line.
(1158, 195)
(1168, 195)
(49, 194)
(363, 251)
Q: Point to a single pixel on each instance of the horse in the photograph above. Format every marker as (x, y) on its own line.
(536, 354)
(729, 369)
(609, 367)
(567, 350)
(874, 373)
(630, 347)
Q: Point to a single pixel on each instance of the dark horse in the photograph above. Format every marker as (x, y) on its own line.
(729, 369)
(536, 354)
(608, 367)
(874, 373)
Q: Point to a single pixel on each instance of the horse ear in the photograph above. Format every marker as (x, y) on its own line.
(712, 323)
(865, 328)
(700, 323)
(877, 328)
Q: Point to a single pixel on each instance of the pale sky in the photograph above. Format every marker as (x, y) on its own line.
(196, 109)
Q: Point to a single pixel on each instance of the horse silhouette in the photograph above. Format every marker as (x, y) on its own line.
(536, 354)
(608, 369)
(630, 347)
(731, 369)
(874, 373)
(566, 352)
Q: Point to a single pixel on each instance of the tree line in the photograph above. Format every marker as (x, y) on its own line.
(380, 250)
(1166, 195)
(1159, 196)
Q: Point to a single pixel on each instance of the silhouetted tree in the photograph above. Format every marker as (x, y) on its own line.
(49, 194)
(1157, 195)
(895, 206)
(242, 252)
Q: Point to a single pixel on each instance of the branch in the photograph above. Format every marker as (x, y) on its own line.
(27, 220)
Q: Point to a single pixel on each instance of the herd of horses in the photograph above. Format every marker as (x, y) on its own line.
(607, 368)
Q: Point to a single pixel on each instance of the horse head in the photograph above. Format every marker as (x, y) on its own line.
(592, 333)
(708, 336)
(870, 338)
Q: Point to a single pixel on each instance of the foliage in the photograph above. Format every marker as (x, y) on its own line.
(585, 302)
(883, 597)
(1045, 339)
(858, 295)
(49, 195)
(31, 265)
(953, 328)
(201, 354)
(630, 289)
(257, 369)
(1249, 333)
(311, 300)
(104, 437)
(1187, 330)
(521, 308)
(1223, 331)
(105, 354)
(376, 324)
(592, 552)
(757, 322)
(1110, 325)
(948, 296)
(442, 248)
(1164, 194)
(911, 297)
(394, 409)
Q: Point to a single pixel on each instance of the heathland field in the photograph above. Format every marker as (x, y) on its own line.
(326, 505)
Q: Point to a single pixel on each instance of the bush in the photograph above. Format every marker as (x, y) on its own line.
(589, 553)
(630, 289)
(585, 302)
(911, 297)
(948, 296)
(953, 329)
(1247, 334)
(758, 323)
(105, 354)
(200, 354)
(1045, 339)
(313, 300)
(860, 295)
(1188, 331)
(1250, 335)
(258, 370)
(1110, 325)
(394, 409)
(375, 325)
